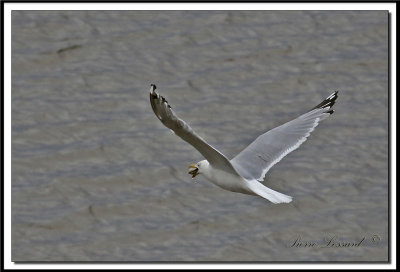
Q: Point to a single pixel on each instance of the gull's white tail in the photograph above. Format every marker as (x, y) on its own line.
(267, 193)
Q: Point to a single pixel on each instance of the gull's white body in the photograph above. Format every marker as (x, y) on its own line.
(227, 181)
(239, 184)
(243, 173)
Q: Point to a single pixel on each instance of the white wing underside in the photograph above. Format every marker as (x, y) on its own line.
(269, 148)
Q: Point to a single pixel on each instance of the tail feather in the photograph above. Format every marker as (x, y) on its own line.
(267, 193)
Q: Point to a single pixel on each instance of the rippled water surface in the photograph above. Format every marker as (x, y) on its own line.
(96, 177)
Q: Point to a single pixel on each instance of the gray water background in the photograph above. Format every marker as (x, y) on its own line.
(96, 177)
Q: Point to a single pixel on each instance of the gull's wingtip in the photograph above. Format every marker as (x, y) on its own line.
(328, 102)
(153, 88)
(333, 96)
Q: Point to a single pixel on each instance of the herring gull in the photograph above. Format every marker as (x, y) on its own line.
(245, 172)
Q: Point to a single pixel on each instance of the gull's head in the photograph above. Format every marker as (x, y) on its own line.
(195, 169)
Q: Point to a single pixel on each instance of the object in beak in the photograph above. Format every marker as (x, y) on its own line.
(193, 170)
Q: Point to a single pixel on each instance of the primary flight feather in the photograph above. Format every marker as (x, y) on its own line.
(244, 173)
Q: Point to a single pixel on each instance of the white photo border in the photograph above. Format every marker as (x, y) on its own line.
(10, 6)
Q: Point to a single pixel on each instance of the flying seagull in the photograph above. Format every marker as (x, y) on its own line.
(244, 173)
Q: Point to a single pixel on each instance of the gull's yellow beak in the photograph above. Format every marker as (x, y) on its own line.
(193, 170)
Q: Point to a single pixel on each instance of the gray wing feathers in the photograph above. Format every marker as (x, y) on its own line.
(167, 116)
(269, 148)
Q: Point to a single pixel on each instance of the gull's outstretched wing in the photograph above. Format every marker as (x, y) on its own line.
(269, 148)
(167, 116)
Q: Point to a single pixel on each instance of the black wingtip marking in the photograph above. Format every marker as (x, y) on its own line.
(153, 95)
(328, 102)
(330, 111)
